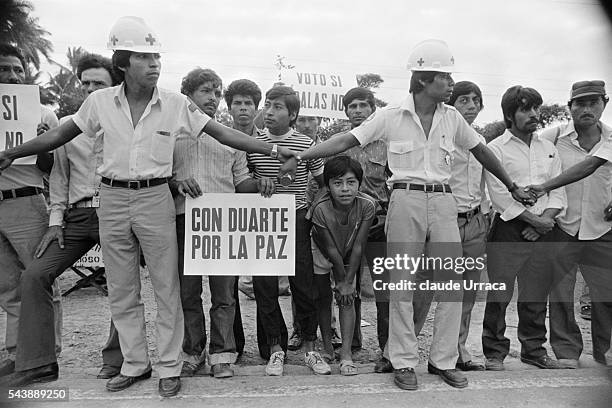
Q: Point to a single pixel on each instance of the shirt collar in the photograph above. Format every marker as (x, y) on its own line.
(408, 104)
(119, 95)
(507, 136)
(570, 130)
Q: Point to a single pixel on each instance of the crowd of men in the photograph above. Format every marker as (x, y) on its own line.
(122, 166)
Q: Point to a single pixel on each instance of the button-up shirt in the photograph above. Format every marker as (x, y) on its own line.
(142, 150)
(467, 181)
(28, 175)
(73, 177)
(414, 157)
(533, 164)
(373, 160)
(215, 167)
(586, 198)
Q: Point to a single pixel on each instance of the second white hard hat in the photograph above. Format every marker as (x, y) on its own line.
(133, 34)
(431, 55)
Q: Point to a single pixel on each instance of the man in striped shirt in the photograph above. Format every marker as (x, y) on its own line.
(281, 110)
(206, 166)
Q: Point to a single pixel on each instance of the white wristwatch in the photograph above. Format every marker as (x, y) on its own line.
(274, 152)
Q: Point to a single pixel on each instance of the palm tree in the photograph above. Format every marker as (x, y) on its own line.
(17, 27)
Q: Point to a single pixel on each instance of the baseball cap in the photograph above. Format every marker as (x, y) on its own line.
(586, 88)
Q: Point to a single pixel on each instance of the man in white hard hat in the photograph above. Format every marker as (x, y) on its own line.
(23, 215)
(421, 135)
(73, 230)
(141, 123)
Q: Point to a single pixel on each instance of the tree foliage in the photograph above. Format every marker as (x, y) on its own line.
(372, 81)
(551, 114)
(17, 27)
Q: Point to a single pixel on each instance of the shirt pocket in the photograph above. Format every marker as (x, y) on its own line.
(446, 153)
(162, 147)
(543, 165)
(402, 155)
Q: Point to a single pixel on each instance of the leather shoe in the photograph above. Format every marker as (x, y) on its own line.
(470, 366)
(452, 377)
(191, 369)
(383, 366)
(121, 382)
(46, 373)
(108, 371)
(169, 387)
(7, 367)
(405, 378)
(494, 364)
(295, 341)
(542, 362)
(221, 370)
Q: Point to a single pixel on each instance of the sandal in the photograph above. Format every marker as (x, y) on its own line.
(347, 367)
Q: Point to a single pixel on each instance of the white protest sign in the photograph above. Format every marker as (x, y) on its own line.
(240, 234)
(91, 259)
(320, 92)
(19, 117)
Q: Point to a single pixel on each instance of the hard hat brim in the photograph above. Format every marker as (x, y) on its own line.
(447, 70)
(140, 49)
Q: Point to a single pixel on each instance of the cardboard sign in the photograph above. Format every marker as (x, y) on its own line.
(240, 234)
(91, 259)
(321, 93)
(19, 117)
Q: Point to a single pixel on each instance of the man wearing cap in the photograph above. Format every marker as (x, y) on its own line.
(73, 230)
(584, 236)
(468, 184)
(141, 124)
(23, 216)
(421, 135)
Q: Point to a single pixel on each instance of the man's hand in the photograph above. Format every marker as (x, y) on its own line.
(266, 186)
(41, 128)
(530, 234)
(5, 162)
(543, 225)
(189, 186)
(285, 154)
(288, 167)
(608, 212)
(54, 232)
(523, 197)
(535, 190)
(344, 293)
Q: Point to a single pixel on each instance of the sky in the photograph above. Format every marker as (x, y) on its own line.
(544, 44)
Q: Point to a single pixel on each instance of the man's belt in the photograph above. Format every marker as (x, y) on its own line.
(19, 192)
(428, 188)
(134, 184)
(88, 202)
(469, 214)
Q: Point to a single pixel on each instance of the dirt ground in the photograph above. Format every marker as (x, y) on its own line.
(86, 319)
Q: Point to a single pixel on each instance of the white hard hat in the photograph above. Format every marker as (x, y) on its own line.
(133, 34)
(431, 55)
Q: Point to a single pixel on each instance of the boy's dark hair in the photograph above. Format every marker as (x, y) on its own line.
(120, 59)
(465, 88)
(518, 97)
(425, 76)
(244, 87)
(289, 97)
(197, 77)
(340, 165)
(89, 61)
(359, 93)
(8, 50)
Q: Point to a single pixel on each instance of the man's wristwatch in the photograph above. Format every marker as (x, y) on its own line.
(513, 187)
(274, 152)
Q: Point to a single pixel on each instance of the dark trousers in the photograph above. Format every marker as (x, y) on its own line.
(594, 257)
(225, 318)
(269, 317)
(510, 257)
(36, 345)
(376, 248)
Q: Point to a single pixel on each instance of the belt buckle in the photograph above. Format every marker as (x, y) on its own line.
(429, 188)
(134, 185)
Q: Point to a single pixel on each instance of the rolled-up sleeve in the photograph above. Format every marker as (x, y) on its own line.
(87, 118)
(373, 128)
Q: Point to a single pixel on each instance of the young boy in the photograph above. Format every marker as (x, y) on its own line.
(341, 218)
(280, 112)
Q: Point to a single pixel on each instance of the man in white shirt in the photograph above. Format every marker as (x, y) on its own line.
(519, 242)
(584, 235)
(421, 135)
